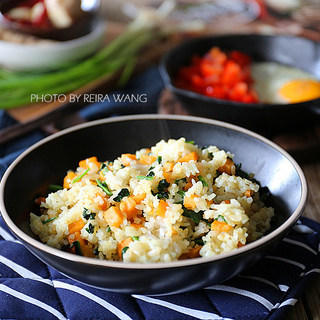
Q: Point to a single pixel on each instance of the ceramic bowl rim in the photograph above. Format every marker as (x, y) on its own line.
(160, 265)
(194, 95)
(94, 34)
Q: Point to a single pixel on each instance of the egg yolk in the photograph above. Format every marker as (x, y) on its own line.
(296, 91)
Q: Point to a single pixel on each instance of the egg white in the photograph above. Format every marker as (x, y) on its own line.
(269, 78)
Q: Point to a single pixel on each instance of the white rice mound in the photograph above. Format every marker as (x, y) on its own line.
(222, 199)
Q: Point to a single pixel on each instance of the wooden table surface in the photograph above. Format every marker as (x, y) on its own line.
(308, 306)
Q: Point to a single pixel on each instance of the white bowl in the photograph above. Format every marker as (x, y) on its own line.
(47, 55)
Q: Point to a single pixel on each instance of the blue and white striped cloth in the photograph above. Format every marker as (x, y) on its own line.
(29, 289)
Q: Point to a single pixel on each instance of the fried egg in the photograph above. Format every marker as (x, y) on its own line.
(276, 83)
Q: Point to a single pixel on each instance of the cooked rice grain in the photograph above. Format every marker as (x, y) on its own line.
(169, 213)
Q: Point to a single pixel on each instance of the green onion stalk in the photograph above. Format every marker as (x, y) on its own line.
(119, 56)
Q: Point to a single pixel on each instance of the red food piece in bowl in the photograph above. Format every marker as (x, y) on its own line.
(219, 75)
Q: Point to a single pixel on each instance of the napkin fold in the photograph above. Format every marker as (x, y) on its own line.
(29, 289)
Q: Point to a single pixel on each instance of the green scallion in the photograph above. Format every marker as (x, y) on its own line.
(221, 218)
(77, 248)
(81, 176)
(204, 182)
(124, 250)
(49, 220)
(104, 187)
(55, 187)
(149, 176)
(135, 238)
(181, 193)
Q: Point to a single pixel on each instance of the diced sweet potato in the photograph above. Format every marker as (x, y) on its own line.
(103, 202)
(161, 209)
(68, 179)
(87, 163)
(249, 193)
(128, 206)
(168, 166)
(85, 248)
(139, 197)
(146, 159)
(121, 245)
(114, 217)
(39, 200)
(220, 226)
(189, 157)
(127, 158)
(189, 202)
(192, 253)
(76, 226)
(167, 176)
(228, 167)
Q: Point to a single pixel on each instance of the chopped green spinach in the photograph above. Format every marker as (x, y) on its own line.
(90, 228)
(87, 214)
(162, 189)
(199, 241)
(122, 193)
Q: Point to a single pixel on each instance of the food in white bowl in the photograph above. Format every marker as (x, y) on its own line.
(41, 54)
(170, 202)
(45, 13)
